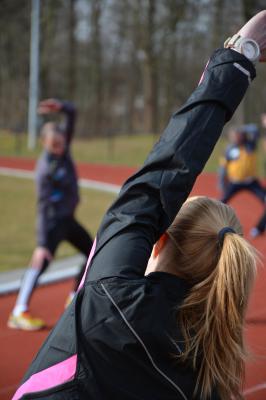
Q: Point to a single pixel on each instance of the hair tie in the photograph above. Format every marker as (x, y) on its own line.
(223, 232)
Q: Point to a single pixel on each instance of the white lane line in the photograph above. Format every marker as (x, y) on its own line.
(17, 173)
(50, 277)
(85, 183)
(97, 185)
(257, 388)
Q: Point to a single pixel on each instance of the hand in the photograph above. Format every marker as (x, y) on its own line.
(49, 106)
(255, 29)
(39, 255)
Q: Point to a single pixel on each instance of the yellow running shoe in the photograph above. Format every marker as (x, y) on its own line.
(25, 322)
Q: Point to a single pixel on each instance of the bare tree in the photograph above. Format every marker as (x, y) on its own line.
(72, 58)
(127, 64)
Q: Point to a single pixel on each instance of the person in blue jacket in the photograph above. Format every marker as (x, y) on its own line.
(238, 169)
(57, 199)
(160, 315)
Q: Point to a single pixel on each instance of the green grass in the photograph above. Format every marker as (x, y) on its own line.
(17, 201)
(128, 150)
(17, 234)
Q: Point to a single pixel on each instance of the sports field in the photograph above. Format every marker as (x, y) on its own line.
(129, 150)
(18, 210)
(18, 348)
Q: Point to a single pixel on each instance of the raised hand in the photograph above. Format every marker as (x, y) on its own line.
(49, 106)
(255, 29)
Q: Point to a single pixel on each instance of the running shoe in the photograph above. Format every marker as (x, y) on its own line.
(25, 322)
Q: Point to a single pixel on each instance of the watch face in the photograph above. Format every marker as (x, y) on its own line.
(250, 50)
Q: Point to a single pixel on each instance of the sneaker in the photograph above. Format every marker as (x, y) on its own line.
(25, 322)
(255, 232)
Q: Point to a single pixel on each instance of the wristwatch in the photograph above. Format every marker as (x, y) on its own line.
(248, 47)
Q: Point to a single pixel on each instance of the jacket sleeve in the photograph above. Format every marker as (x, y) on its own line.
(68, 126)
(150, 199)
(43, 224)
(45, 213)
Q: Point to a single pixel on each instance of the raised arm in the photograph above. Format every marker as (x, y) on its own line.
(50, 106)
(150, 199)
(68, 126)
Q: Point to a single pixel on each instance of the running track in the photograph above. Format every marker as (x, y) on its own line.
(18, 348)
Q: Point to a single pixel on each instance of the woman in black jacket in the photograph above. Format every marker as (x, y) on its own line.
(129, 336)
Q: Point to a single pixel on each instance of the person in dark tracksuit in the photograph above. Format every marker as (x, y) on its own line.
(127, 335)
(58, 197)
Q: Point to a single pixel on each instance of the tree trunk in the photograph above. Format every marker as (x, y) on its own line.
(97, 80)
(72, 51)
(150, 81)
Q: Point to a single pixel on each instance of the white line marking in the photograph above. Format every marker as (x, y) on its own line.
(49, 277)
(97, 185)
(257, 388)
(17, 173)
(85, 183)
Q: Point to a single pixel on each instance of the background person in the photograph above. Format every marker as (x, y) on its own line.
(58, 197)
(238, 170)
(259, 229)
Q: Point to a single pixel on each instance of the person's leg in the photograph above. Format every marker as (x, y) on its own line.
(39, 262)
(262, 222)
(230, 191)
(20, 317)
(81, 239)
(256, 188)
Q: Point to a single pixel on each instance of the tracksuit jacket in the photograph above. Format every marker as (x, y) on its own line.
(56, 182)
(119, 338)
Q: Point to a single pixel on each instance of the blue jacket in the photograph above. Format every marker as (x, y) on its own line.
(56, 182)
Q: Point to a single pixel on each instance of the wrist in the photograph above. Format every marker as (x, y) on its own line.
(245, 46)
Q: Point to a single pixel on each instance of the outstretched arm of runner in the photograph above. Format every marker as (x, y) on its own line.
(150, 199)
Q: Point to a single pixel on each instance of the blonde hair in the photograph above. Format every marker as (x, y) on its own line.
(221, 275)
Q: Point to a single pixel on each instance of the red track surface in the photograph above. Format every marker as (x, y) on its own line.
(18, 348)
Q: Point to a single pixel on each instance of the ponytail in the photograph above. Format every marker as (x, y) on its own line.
(211, 317)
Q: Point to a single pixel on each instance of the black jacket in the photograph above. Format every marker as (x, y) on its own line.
(123, 325)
